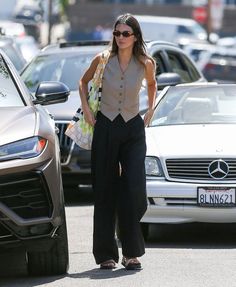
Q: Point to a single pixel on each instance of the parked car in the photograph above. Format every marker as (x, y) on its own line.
(31, 12)
(170, 29)
(28, 47)
(8, 45)
(31, 191)
(199, 52)
(220, 66)
(11, 28)
(217, 63)
(191, 159)
(66, 62)
(229, 42)
(31, 15)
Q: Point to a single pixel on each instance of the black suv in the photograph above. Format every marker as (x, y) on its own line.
(66, 62)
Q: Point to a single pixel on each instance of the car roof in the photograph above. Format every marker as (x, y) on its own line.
(204, 85)
(87, 47)
(163, 19)
(200, 84)
(165, 44)
(75, 47)
(213, 49)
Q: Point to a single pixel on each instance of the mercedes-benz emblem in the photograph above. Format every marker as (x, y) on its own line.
(218, 169)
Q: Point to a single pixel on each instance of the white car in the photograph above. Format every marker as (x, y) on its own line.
(170, 28)
(191, 156)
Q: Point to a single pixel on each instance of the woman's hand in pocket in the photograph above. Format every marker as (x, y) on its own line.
(88, 116)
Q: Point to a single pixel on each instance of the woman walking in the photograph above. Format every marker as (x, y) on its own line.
(119, 148)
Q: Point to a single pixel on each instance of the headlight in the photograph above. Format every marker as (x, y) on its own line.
(153, 166)
(27, 148)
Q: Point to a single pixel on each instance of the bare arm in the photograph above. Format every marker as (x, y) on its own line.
(83, 90)
(151, 89)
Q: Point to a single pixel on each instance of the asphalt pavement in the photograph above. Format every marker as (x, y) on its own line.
(191, 255)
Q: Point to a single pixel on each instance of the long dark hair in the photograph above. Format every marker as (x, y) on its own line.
(139, 49)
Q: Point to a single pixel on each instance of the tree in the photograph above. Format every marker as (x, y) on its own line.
(63, 4)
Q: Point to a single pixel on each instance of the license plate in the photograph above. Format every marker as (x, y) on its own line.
(216, 196)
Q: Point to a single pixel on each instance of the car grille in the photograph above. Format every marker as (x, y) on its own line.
(6, 235)
(66, 143)
(26, 194)
(196, 169)
(10, 231)
(173, 201)
(180, 201)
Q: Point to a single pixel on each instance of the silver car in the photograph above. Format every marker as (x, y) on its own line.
(191, 156)
(32, 213)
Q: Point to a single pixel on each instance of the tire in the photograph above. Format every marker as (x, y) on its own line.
(145, 230)
(54, 261)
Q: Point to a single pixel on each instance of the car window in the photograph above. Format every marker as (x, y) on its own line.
(9, 96)
(178, 66)
(183, 29)
(196, 105)
(194, 74)
(160, 64)
(195, 54)
(59, 67)
(216, 71)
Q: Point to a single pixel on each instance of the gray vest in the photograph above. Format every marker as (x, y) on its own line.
(120, 91)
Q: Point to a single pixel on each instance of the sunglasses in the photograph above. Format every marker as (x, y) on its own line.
(125, 34)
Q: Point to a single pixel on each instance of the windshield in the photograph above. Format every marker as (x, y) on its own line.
(197, 29)
(9, 96)
(196, 105)
(15, 57)
(59, 67)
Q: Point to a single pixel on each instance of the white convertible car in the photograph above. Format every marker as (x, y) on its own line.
(191, 156)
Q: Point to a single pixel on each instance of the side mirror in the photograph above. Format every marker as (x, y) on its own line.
(48, 93)
(168, 79)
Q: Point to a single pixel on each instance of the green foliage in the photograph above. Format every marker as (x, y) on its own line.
(63, 4)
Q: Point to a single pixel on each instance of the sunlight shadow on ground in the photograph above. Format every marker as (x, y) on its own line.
(192, 235)
(97, 273)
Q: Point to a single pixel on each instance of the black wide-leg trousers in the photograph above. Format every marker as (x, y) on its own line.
(119, 185)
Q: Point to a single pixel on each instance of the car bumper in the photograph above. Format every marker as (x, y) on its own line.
(75, 161)
(77, 170)
(31, 200)
(172, 202)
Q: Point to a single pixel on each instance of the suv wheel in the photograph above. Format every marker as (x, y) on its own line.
(54, 261)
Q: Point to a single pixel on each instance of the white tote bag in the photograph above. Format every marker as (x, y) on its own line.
(78, 129)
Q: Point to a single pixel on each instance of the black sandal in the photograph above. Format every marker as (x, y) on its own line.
(131, 263)
(108, 264)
